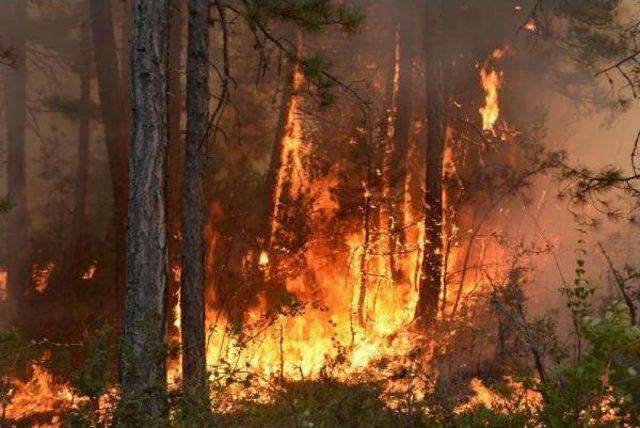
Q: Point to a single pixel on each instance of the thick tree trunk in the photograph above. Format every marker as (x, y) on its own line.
(431, 269)
(143, 354)
(192, 290)
(82, 168)
(14, 80)
(116, 120)
(175, 160)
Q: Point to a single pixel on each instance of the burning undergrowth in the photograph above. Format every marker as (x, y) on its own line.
(315, 267)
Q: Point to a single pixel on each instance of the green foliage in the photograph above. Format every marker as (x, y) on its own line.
(14, 352)
(319, 404)
(5, 205)
(91, 379)
(481, 416)
(605, 382)
(308, 14)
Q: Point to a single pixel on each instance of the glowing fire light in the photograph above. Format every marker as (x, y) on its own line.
(491, 83)
(485, 396)
(291, 157)
(531, 25)
(263, 261)
(41, 275)
(3, 285)
(91, 271)
(174, 365)
(41, 394)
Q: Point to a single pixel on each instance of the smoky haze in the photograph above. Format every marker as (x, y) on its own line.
(315, 179)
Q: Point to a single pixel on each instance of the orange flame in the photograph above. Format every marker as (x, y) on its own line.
(3, 285)
(521, 397)
(491, 83)
(531, 25)
(41, 275)
(291, 157)
(41, 394)
(91, 271)
(263, 260)
(174, 365)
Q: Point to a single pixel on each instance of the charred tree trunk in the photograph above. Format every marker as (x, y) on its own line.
(192, 290)
(82, 168)
(275, 163)
(386, 212)
(268, 278)
(175, 160)
(367, 219)
(431, 269)
(282, 128)
(143, 353)
(116, 120)
(402, 125)
(14, 80)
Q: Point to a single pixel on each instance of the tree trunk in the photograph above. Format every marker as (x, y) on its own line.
(143, 353)
(431, 269)
(282, 128)
(125, 48)
(82, 168)
(269, 275)
(402, 126)
(276, 152)
(175, 161)
(192, 290)
(116, 120)
(15, 77)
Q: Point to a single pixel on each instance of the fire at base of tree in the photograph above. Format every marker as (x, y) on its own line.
(319, 213)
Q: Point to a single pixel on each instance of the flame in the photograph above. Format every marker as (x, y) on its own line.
(40, 394)
(304, 342)
(3, 285)
(521, 397)
(491, 83)
(91, 271)
(263, 260)
(41, 275)
(319, 329)
(531, 25)
(174, 364)
(291, 157)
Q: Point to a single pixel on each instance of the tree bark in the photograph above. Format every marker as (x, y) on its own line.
(275, 162)
(82, 168)
(402, 126)
(431, 268)
(117, 128)
(143, 353)
(14, 80)
(282, 128)
(192, 290)
(175, 161)
(125, 47)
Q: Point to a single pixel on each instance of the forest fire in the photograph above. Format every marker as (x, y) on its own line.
(91, 271)
(3, 285)
(491, 83)
(316, 213)
(41, 275)
(40, 395)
